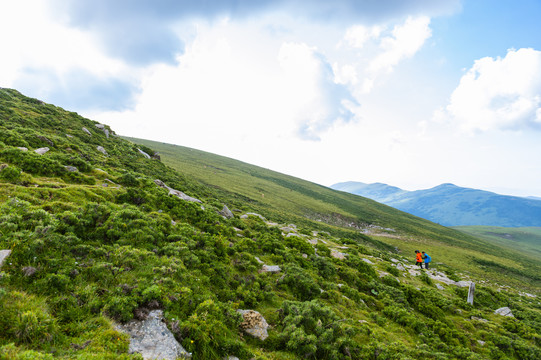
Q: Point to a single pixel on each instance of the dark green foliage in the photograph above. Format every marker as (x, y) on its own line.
(11, 174)
(312, 330)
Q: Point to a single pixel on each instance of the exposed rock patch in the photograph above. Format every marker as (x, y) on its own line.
(3, 255)
(41, 151)
(254, 324)
(87, 132)
(144, 153)
(102, 150)
(226, 213)
(504, 311)
(152, 339)
(176, 193)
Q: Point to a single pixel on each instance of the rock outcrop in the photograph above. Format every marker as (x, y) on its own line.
(226, 213)
(176, 193)
(152, 339)
(102, 150)
(42, 150)
(3, 255)
(504, 311)
(254, 324)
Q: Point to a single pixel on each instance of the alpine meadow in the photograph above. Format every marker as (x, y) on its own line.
(99, 231)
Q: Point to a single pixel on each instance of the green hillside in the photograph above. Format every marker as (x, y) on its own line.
(526, 239)
(96, 242)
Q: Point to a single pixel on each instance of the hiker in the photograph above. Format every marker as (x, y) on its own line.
(427, 259)
(419, 258)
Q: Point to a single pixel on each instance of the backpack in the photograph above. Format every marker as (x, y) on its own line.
(428, 258)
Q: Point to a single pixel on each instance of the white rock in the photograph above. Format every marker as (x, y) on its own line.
(3, 255)
(101, 149)
(42, 150)
(152, 339)
(504, 311)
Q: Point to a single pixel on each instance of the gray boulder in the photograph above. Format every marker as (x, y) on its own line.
(3, 255)
(86, 131)
(102, 150)
(42, 150)
(254, 324)
(144, 153)
(226, 213)
(504, 311)
(71, 168)
(152, 339)
(176, 193)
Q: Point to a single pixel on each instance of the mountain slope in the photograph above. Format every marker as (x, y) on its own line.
(95, 240)
(451, 205)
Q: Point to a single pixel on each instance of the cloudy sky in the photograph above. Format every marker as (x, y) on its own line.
(409, 93)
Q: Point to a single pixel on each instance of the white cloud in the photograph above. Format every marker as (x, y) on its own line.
(357, 35)
(499, 93)
(404, 42)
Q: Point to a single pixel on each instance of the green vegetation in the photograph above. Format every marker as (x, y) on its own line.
(526, 239)
(105, 244)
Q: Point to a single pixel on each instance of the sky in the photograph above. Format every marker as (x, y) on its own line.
(411, 93)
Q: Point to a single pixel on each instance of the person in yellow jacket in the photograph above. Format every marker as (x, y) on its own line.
(419, 258)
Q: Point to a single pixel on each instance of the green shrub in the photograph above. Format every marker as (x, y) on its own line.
(26, 319)
(312, 330)
(300, 283)
(11, 174)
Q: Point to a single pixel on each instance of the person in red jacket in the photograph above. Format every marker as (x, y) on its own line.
(419, 258)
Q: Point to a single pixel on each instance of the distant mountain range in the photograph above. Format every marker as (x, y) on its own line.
(451, 205)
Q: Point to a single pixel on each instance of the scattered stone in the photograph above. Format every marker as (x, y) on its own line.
(152, 339)
(70, 136)
(481, 342)
(3, 255)
(71, 168)
(254, 324)
(144, 153)
(231, 358)
(395, 260)
(226, 213)
(176, 193)
(439, 287)
(86, 131)
(258, 260)
(271, 268)
(245, 216)
(22, 148)
(42, 150)
(106, 133)
(338, 255)
(367, 261)
(400, 267)
(101, 149)
(504, 311)
(527, 295)
(29, 271)
(100, 126)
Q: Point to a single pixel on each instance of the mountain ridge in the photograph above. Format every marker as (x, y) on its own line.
(452, 205)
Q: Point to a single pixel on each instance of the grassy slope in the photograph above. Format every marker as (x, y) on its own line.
(103, 246)
(284, 198)
(526, 239)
